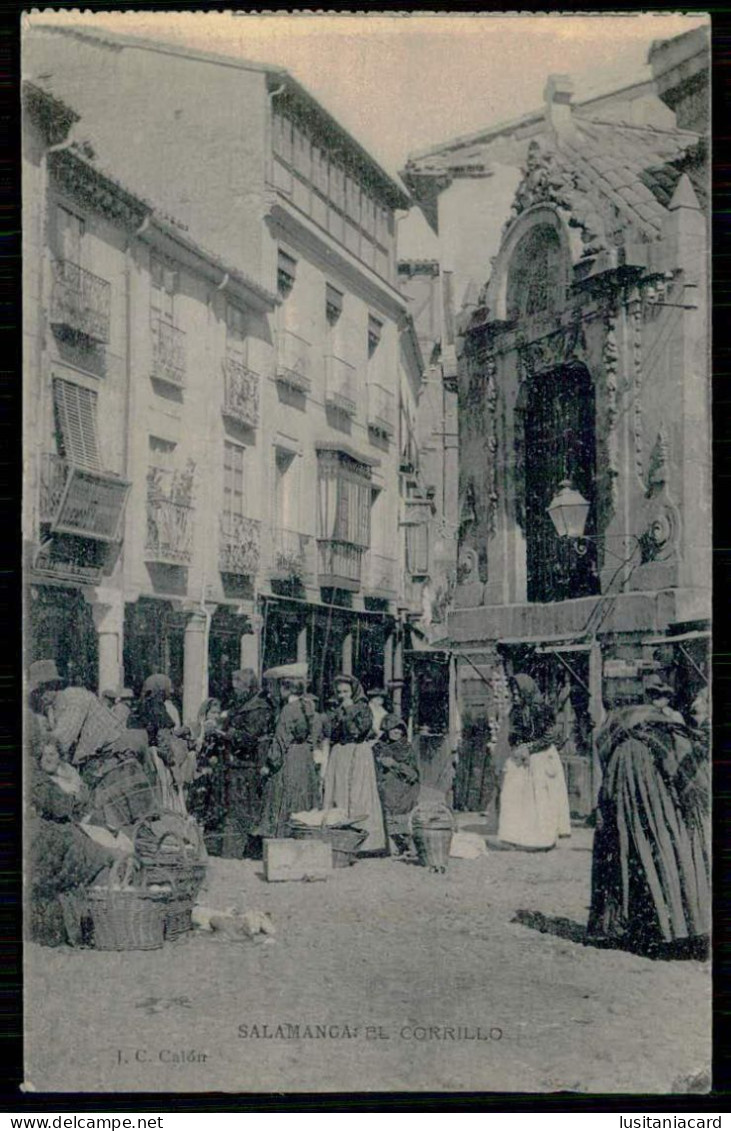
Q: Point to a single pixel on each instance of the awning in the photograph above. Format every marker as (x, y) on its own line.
(697, 634)
(546, 643)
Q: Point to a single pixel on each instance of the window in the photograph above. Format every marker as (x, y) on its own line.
(368, 214)
(320, 170)
(352, 199)
(76, 424)
(337, 185)
(162, 289)
(235, 330)
(375, 328)
(333, 303)
(162, 453)
(535, 275)
(302, 159)
(285, 517)
(282, 137)
(286, 271)
(71, 229)
(344, 500)
(233, 480)
(417, 549)
(383, 222)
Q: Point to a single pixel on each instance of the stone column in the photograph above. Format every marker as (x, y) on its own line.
(347, 654)
(195, 669)
(302, 645)
(251, 644)
(107, 609)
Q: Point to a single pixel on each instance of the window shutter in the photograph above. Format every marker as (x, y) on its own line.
(76, 416)
(333, 303)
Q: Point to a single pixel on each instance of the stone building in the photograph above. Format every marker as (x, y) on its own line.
(582, 343)
(277, 459)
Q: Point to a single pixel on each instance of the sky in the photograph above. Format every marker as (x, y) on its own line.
(401, 84)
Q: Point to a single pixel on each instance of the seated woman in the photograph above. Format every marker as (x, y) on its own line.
(534, 802)
(398, 781)
(350, 778)
(62, 856)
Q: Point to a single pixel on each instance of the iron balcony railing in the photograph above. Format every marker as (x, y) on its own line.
(168, 353)
(76, 500)
(241, 393)
(341, 390)
(381, 574)
(239, 550)
(169, 531)
(80, 301)
(293, 361)
(339, 564)
(292, 554)
(381, 410)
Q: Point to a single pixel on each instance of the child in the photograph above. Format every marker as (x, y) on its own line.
(398, 781)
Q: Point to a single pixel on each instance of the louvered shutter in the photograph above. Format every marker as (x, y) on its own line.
(76, 417)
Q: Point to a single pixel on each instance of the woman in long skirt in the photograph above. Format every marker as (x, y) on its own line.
(534, 803)
(650, 867)
(290, 775)
(350, 778)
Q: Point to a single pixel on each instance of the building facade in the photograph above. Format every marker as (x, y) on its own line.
(583, 380)
(251, 403)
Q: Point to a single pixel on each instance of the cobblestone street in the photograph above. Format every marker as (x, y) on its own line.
(425, 983)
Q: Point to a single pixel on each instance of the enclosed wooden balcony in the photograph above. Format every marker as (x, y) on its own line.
(294, 361)
(241, 393)
(341, 388)
(239, 549)
(80, 302)
(168, 353)
(80, 501)
(339, 565)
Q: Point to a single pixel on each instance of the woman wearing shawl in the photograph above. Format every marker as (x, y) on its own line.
(289, 772)
(205, 793)
(398, 781)
(650, 867)
(173, 762)
(350, 778)
(534, 803)
(248, 724)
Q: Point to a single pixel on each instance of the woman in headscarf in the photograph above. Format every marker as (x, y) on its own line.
(174, 763)
(534, 803)
(350, 778)
(247, 727)
(398, 781)
(650, 867)
(205, 792)
(290, 775)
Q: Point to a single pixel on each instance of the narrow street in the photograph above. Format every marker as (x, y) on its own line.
(424, 982)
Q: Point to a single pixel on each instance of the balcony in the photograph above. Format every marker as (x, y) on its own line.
(339, 565)
(80, 302)
(382, 571)
(241, 393)
(74, 500)
(168, 353)
(239, 549)
(293, 361)
(341, 389)
(381, 410)
(292, 555)
(169, 532)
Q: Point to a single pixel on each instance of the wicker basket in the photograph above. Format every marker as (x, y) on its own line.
(344, 842)
(178, 919)
(184, 879)
(432, 832)
(130, 919)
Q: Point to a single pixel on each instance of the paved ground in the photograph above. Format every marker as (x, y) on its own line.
(392, 960)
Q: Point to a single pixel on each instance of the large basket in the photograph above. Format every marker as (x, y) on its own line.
(183, 880)
(344, 842)
(432, 833)
(123, 794)
(178, 918)
(129, 919)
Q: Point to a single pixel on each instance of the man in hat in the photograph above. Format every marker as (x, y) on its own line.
(78, 722)
(248, 724)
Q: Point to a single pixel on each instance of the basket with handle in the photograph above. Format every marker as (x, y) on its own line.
(125, 917)
(169, 861)
(432, 827)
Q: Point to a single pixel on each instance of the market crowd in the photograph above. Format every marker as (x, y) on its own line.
(247, 766)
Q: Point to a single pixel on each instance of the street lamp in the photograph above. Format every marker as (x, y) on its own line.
(568, 511)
